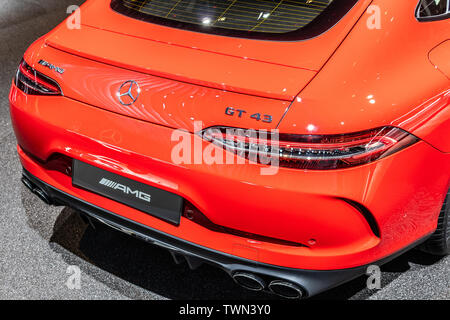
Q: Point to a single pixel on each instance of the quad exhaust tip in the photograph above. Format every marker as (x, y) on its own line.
(249, 281)
(27, 183)
(42, 195)
(37, 191)
(281, 288)
(286, 289)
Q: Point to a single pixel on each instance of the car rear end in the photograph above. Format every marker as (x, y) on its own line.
(113, 118)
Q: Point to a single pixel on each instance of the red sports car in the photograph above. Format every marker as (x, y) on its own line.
(291, 143)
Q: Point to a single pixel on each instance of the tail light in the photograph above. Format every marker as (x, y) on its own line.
(33, 82)
(313, 152)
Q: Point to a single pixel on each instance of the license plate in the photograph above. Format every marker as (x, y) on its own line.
(153, 201)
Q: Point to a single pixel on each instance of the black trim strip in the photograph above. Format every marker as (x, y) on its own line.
(366, 214)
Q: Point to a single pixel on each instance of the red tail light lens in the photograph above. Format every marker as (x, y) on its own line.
(33, 82)
(313, 152)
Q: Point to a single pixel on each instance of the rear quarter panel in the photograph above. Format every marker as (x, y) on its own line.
(379, 77)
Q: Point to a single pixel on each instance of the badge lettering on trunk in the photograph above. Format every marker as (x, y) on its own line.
(51, 66)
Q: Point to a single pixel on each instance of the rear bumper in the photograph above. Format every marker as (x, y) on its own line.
(311, 282)
(401, 194)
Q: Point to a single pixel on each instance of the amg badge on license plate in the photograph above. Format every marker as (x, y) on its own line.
(156, 202)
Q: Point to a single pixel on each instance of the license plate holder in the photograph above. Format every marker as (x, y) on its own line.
(156, 202)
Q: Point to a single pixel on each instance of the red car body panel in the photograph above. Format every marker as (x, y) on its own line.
(439, 57)
(346, 80)
(163, 101)
(310, 54)
(184, 64)
(379, 88)
(302, 205)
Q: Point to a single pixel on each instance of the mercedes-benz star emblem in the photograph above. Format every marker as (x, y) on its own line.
(128, 92)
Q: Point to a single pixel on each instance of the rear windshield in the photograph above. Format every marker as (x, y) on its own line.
(264, 19)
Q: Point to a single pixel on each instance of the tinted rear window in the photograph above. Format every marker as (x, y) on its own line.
(267, 19)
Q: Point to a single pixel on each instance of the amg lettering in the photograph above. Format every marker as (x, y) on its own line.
(51, 66)
(125, 189)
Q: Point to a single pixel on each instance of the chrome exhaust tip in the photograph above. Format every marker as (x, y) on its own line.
(36, 190)
(249, 281)
(286, 289)
(27, 183)
(42, 195)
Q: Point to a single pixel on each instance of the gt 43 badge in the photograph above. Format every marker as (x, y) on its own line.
(233, 112)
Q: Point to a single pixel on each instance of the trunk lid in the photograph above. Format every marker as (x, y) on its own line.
(185, 76)
(308, 54)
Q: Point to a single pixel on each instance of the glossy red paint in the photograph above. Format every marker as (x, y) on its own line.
(163, 101)
(302, 205)
(346, 80)
(303, 55)
(439, 57)
(375, 78)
